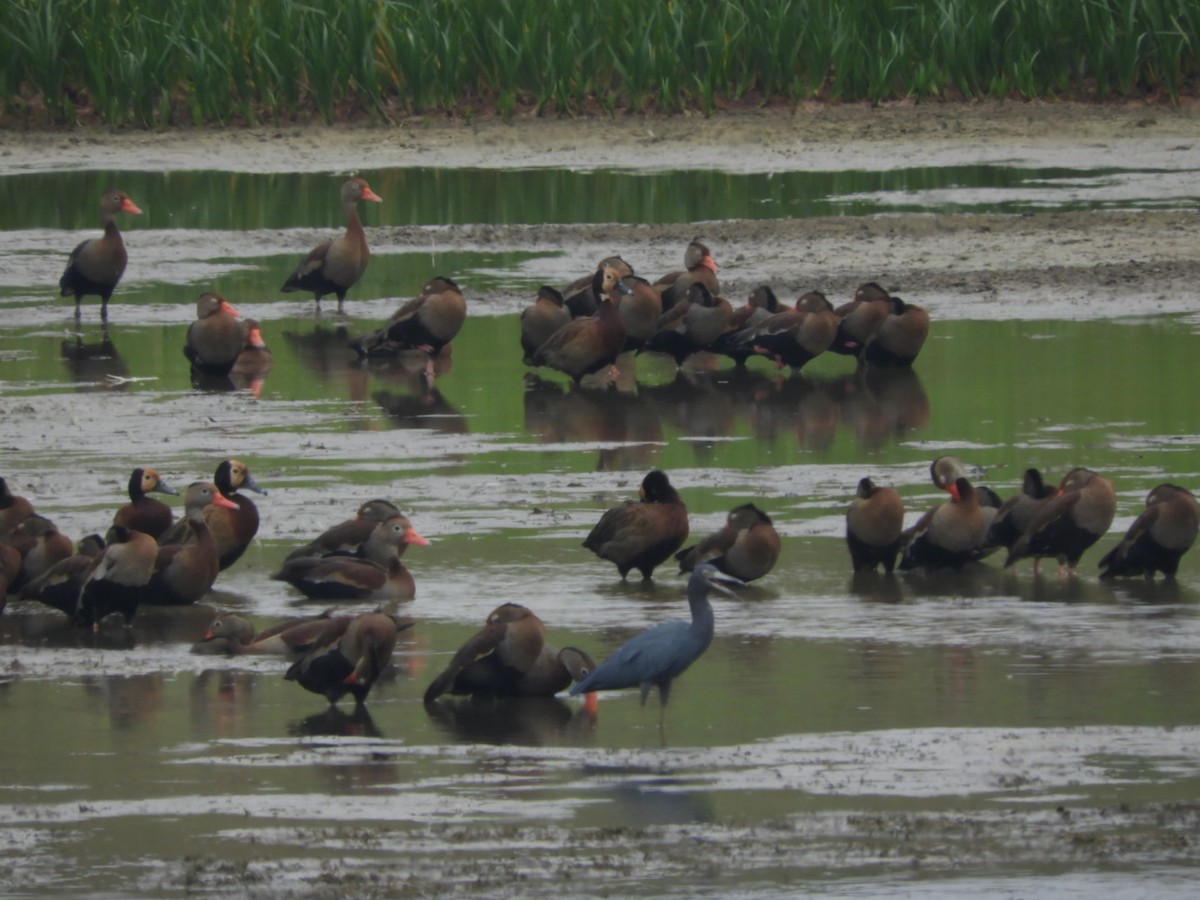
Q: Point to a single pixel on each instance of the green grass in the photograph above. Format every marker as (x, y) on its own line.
(156, 62)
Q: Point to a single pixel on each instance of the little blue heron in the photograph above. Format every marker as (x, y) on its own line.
(662, 653)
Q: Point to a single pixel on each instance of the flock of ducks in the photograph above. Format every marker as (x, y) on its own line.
(581, 331)
(1042, 521)
(147, 557)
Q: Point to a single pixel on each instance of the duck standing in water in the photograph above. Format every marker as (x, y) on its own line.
(746, 548)
(642, 533)
(1158, 538)
(336, 265)
(351, 663)
(97, 264)
(949, 535)
(185, 572)
(874, 523)
(1067, 524)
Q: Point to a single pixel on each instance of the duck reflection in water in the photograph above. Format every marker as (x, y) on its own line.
(131, 699)
(323, 352)
(527, 721)
(94, 364)
(420, 404)
(627, 424)
(334, 722)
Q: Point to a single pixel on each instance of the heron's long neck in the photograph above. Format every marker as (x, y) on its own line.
(702, 616)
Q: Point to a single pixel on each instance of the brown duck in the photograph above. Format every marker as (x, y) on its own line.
(41, 546)
(428, 322)
(746, 548)
(859, 319)
(232, 529)
(695, 322)
(216, 338)
(587, 345)
(59, 586)
(13, 509)
(292, 638)
(1158, 538)
(642, 533)
(97, 264)
(949, 535)
(142, 513)
(377, 575)
(346, 538)
(351, 663)
(873, 525)
(120, 581)
(640, 308)
(512, 636)
(582, 296)
(797, 336)
(760, 305)
(1065, 525)
(541, 319)
(700, 268)
(336, 265)
(185, 572)
(899, 337)
(1015, 513)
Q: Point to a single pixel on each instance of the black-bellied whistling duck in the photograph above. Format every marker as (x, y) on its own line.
(747, 547)
(41, 546)
(377, 575)
(641, 534)
(336, 265)
(945, 471)
(874, 521)
(640, 309)
(899, 337)
(541, 319)
(860, 318)
(1015, 513)
(59, 586)
(582, 296)
(589, 344)
(97, 264)
(797, 336)
(185, 572)
(1158, 537)
(428, 322)
(120, 581)
(142, 513)
(352, 663)
(217, 336)
(232, 529)
(13, 509)
(1065, 525)
(695, 322)
(949, 535)
(761, 304)
(292, 638)
(700, 268)
(346, 538)
(512, 634)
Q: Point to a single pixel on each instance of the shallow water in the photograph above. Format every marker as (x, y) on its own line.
(989, 733)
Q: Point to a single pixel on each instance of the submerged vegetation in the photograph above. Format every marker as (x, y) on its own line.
(160, 62)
